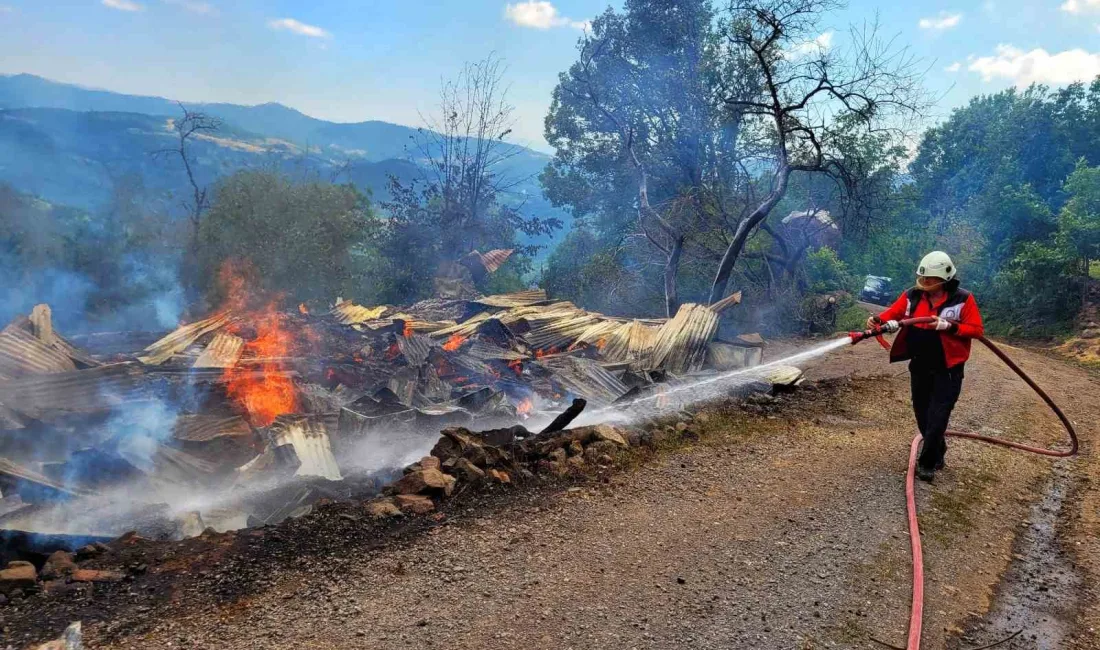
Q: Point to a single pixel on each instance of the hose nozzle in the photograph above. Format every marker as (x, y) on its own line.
(871, 333)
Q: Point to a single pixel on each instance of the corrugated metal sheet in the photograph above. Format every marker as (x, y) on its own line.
(349, 313)
(79, 391)
(310, 440)
(223, 351)
(560, 333)
(181, 339)
(631, 341)
(495, 258)
(486, 351)
(21, 355)
(415, 348)
(538, 316)
(75, 353)
(517, 299)
(178, 466)
(203, 428)
(464, 329)
(585, 378)
(10, 420)
(682, 342)
(421, 326)
(11, 472)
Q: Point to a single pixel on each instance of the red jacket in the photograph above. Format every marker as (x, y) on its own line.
(960, 308)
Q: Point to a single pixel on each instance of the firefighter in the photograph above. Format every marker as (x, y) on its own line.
(937, 352)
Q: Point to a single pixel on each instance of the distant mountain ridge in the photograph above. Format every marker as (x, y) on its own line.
(272, 119)
(68, 144)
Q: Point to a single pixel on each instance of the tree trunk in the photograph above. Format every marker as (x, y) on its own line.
(672, 267)
(1085, 287)
(744, 229)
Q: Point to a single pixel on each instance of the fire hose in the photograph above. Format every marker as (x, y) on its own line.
(917, 607)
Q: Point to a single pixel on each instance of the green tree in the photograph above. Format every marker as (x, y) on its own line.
(306, 240)
(637, 128)
(1079, 220)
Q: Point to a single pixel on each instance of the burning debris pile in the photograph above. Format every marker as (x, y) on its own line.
(252, 414)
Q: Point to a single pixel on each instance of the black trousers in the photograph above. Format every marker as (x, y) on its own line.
(935, 392)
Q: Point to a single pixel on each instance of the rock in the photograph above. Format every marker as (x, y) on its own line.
(602, 447)
(1090, 333)
(96, 575)
(430, 462)
(591, 453)
(468, 470)
(681, 427)
(89, 551)
(576, 462)
(381, 508)
(558, 455)
(416, 504)
(18, 576)
(608, 433)
(71, 639)
(127, 539)
(499, 476)
(425, 480)
(576, 448)
(58, 565)
(605, 460)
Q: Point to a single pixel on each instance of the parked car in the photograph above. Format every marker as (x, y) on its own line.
(876, 289)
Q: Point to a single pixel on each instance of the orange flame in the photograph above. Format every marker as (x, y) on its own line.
(234, 277)
(517, 366)
(269, 393)
(408, 331)
(393, 351)
(601, 344)
(454, 342)
(265, 392)
(542, 353)
(525, 406)
(302, 309)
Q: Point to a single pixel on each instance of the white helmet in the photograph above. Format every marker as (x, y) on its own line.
(937, 265)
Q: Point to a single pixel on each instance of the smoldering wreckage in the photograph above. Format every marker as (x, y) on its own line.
(254, 414)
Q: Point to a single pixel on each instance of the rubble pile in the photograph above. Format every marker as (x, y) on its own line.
(252, 414)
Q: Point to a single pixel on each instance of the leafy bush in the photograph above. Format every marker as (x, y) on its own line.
(1032, 295)
(826, 272)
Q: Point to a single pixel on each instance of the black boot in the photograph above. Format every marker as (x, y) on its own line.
(940, 465)
(925, 474)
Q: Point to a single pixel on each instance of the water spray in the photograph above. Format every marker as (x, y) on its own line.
(917, 607)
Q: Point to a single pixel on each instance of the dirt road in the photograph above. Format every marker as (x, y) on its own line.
(780, 527)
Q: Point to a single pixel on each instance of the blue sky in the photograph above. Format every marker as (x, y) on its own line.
(366, 59)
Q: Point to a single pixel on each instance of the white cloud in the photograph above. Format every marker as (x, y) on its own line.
(816, 46)
(942, 21)
(540, 14)
(1037, 66)
(1080, 6)
(954, 67)
(195, 6)
(122, 5)
(292, 25)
